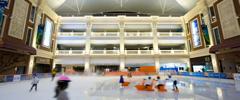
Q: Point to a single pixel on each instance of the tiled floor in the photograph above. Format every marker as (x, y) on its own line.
(107, 88)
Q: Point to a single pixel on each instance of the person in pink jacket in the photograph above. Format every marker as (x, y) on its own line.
(62, 85)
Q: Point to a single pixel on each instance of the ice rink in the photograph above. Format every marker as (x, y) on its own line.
(107, 88)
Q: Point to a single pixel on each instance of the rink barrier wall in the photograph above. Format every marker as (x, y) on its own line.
(22, 77)
(207, 75)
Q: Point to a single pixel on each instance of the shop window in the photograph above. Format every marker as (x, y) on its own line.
(29, 36)
(32, 14)
(2, 22)
(217, 35)
(212, 14)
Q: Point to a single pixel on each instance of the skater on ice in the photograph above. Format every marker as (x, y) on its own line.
(62, 85)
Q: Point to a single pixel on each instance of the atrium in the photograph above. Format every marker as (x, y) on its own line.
(193, 42)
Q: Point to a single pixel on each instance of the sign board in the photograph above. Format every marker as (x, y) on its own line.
(16, 78)
(236, 76)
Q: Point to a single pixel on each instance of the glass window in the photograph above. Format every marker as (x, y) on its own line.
(212, 14)
(29, 37)
(32, 14)
(217, 35)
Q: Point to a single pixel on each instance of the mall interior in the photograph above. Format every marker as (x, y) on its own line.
(192, 38)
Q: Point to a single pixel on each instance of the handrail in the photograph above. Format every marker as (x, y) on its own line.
(170, 34)
(72, 33)
(138, 51)
(69, 52)
(138, 34)
(105, 52)
(104, 34)
(172, 51)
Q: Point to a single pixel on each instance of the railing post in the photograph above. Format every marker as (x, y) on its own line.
(105, 33)
(139, 52)
(172, 51)
(171, 34)
(105, 52)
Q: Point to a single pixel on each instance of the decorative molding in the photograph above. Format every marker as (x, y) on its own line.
(18, 19)
(229, 23)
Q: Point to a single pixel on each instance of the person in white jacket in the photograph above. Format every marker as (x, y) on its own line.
(35, 81)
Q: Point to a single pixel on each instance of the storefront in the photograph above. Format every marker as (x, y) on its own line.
(201, 64)
(42, 65)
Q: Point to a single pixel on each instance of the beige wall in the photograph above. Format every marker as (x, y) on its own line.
(202, 7)
(43, 8)
(228, 19)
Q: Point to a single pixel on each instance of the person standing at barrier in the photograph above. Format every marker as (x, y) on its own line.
(62, 85)
(35, 81)
(175, 88)
(121, 81)
(54, 72)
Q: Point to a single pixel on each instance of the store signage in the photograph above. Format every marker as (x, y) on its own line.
(43, 61)
(236, 76)
(16, 78)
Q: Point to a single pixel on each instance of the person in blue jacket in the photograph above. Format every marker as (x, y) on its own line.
(121, 80)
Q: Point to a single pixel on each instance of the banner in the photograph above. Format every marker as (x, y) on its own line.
(16, 78)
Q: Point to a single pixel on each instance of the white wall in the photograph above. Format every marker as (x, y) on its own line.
(69, 60)
(105, 60)
(139, 60)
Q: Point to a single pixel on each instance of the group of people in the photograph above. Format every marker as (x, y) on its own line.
(153, 82)
(62, 85)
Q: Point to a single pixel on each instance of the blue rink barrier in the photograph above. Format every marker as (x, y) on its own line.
(11, 78)
(205, 74)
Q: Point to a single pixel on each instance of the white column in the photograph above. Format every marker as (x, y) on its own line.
(155, 41)
(157, 64)
(214, 63)
(53, 63)
(88, 35)
(155, 35)
(122, 43)
(88, 46)
(87, 64)
(189, 65)
(122, 63)
(122, 36)
(30, 65)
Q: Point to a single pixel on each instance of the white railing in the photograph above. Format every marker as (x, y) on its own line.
(171, 34)
(70, 52)
(172, 52)
(105, 52)
(138, 34)
(139, 52)
(105, 34)
(72, 33)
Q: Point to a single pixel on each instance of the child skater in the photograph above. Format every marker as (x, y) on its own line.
(62, 85)
(35, 81)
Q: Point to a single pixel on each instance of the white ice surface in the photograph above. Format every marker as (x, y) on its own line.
(107, 88)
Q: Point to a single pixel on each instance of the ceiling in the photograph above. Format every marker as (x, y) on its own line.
(150, 7)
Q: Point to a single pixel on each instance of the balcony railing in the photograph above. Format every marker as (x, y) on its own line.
(72, 33)
(70, 52)
(117, 52)
(138, 52)
(172, 52)
(105, 34)
(105, 52)
(171, 34)
(138, 34)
